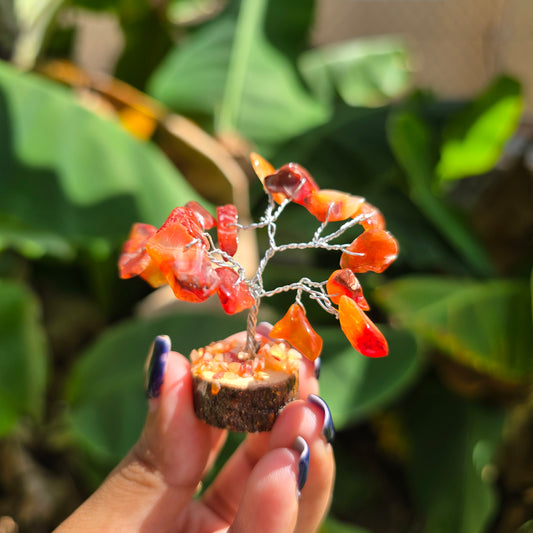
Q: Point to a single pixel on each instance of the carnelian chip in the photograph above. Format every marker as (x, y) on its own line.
(333, 205)
(189, 219)
(172, 235)
(377, 249)
(261, 166)
(234, 295)
(262, 169)
(344, 283)
(296, 329)
(291, 181)
(134, 259)
(189, 273)
(362, 333)
(203, 217)
(227, 228)
(372, 217)
(152, 275)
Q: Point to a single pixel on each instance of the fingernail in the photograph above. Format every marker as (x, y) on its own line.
(302, 448)
(318, 364)
(157, 365)
(328, 429)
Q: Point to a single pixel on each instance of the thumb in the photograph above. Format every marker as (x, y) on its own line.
(156, 480)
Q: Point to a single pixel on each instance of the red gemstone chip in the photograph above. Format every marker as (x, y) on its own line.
(291, 181)
(227, 228)
(362, 333)
(203, 217)
(344, 283)
(234, 295)
(134, 259)
(189, 273)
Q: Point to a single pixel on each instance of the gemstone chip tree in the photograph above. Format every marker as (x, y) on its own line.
(242, 383)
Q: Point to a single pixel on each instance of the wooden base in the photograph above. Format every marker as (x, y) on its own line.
(243, 395)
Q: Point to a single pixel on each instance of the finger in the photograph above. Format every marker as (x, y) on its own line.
(312, 420)
(151, 486)
(270, 501)
(226, 491)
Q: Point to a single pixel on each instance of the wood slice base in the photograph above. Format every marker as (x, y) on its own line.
(239, 394)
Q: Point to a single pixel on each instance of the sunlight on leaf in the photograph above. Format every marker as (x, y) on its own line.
(484, 325)
(364, 72)
(274, 105)
(71, 173)
(475, 137)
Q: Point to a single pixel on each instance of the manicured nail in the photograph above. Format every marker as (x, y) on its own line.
(318, 364)
(156, 368)
(302, 448)
(328, 429)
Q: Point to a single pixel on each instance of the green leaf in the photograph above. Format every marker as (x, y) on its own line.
(484, 325)
(474, 138)
(23, 355)
(451, 471)
(355, 386)
(411, 141)
(105, 389)
(263, 99)
(70, 176)
(364, 72)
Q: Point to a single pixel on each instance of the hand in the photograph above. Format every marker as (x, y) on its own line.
(275, 482)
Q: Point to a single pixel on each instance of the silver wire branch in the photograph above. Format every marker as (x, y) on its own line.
(314, 290)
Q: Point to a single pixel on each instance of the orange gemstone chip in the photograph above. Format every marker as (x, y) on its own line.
(134, 259)
(343, 282)
(333, 205)
(377, 249)
(189, 273)
(362, 333)
(234, 295)
(296, 329)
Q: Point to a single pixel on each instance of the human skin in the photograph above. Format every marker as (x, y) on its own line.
(258, 489)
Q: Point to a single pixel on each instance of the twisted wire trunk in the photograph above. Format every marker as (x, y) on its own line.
(251, 344)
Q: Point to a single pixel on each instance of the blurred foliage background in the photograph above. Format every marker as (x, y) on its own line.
(437, 437)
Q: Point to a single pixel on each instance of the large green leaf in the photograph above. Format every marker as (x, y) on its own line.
(485, 325)
(246, 85)
(364, 72)
(105, 391)
(22, 355)
(412, 143)
(450, 470)
(71, 177)
(474, 138)
(351, 153)
(355, 386)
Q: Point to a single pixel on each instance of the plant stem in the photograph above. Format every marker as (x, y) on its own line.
(248, 28)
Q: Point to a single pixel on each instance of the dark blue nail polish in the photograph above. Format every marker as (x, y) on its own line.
(157, 365)
(302, 448)
(318, 364)
(328, 429)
